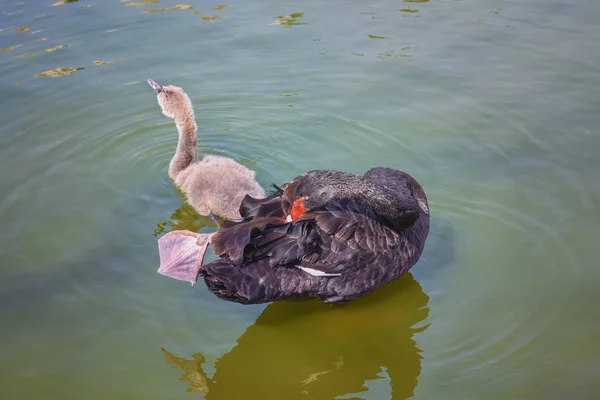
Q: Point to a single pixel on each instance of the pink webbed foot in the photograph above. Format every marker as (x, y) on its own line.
(182, 253)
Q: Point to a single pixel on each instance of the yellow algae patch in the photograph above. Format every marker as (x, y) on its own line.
(142, 3)
(198, 13)
(25, 55)
(56, 72)
(106, 62)
(41, 39)
(221, 7)
(63, 2)
(290, 19)
(212, 19)
(59, 47)
(175, 7)
(376, 37)
(11, 48)
(23, 29)
(19, 82)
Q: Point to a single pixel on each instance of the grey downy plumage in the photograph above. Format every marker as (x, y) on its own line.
(214, 184)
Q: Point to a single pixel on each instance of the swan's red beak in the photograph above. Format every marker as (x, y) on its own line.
(297, 209)
(158, 88)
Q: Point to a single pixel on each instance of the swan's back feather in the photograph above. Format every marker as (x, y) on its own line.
(272, 206)
(260, 258)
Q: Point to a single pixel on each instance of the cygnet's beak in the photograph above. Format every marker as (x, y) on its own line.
(156, 86)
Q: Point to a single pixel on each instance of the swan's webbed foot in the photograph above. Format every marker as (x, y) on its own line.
(182, 254)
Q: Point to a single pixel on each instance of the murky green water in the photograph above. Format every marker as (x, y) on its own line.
(491, 105)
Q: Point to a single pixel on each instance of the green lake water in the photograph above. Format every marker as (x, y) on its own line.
(492, 105)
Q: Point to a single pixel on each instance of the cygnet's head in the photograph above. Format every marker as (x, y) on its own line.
(172, 99)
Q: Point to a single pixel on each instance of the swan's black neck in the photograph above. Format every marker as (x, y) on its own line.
(396, 206)
(389, 193)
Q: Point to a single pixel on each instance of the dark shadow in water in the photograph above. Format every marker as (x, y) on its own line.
(184, 218)
(306, 350)
(440, 250)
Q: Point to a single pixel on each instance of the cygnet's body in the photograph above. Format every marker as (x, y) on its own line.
(214, 184)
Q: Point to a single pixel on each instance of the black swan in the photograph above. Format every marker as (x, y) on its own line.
(326, 234)
(215, 184)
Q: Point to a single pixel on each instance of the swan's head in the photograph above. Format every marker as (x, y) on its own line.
(319, 187)
(172, 100)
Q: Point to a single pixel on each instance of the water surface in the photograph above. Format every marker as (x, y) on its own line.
(491, 105)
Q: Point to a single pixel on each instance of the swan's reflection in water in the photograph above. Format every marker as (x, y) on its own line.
(311, 350)
(184, 218)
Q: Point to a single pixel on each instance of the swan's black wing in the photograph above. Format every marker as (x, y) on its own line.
(340, 237)
(232, 240)
(335, 253)
(271, 206)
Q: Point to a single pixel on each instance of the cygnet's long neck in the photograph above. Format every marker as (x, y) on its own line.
(187, 147)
